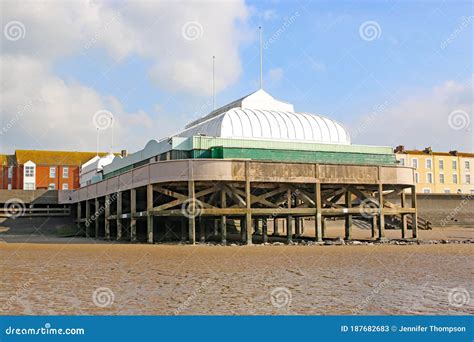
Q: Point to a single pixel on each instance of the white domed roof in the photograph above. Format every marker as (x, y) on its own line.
(280, 123)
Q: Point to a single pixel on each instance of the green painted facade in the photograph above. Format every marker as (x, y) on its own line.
(269, 150)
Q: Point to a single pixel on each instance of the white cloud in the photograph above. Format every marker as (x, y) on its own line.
(422, 120)
(41, 110)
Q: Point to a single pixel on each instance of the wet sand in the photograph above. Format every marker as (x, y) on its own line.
(60, 278)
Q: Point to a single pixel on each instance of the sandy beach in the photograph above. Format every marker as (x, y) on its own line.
(45, 275)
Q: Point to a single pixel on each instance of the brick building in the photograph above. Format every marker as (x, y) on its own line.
(32, 169)
(439, 172)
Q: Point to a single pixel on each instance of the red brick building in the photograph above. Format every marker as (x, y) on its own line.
(31, 169)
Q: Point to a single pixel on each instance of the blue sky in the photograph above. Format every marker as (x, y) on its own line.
(315, 57)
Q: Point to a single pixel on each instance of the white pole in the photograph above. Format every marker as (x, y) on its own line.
(213, 82)
(97, 147)
(112, 123)
(261, 58)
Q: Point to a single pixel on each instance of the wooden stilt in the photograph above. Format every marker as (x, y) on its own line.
(264, 231)
(149, 215)
(106, 219)
(133, 211)
(318, 217)
(403, 216)
(373, 226)
(192, 218)
(248, 214)
(414, 219)
(223, 219)
(119, 215)
(79, 214)
(381, 223)
(348, 218)
(88, 218)
(289, 229)
(96, 218)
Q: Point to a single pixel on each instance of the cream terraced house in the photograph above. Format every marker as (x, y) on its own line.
(439, 172)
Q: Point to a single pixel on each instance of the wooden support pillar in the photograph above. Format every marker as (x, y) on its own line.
(414, 217)
(276, 227)
(202, 230)
(119, 216)
(289, 219)
(223, 218)
(264, 230)
(289, 229)
(79, 214)
(96, 216)
(133, 211)
(348, 218)
(149, 213)
(192, 217)
(297, 226)
(373, 226)
(403, 216)
(318, 219)
(243, 229)
(248, 214)
(88, 218)
(381, 223)
(106, 218)
(323, 225)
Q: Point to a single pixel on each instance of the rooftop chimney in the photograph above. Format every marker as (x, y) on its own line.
(453, 153)
(399, 149)
(123, 153)
(428, 150)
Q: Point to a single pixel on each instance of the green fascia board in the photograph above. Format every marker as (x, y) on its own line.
(204, 143)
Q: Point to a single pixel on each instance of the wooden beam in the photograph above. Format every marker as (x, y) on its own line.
(223, 218)
(119, 215)
(106, 219)
(248, 213)
(348, 218)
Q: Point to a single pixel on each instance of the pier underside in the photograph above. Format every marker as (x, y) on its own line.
(245, 201)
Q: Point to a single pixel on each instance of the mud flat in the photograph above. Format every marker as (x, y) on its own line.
(60, 276)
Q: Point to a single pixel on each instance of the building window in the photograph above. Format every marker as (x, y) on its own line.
(441, 178)
(428, 164)
(426, 191)
(402, 161)
(29, 171)
(455, 179)
(468, 179)
(29, 186)
(414, 163)
(472, 191)
(447, 191)
(455, 165)
(65, 186)
(429, 177)
(441, 164)
(51, 186)
(52, 172)
(417, 176)
(65, 172)
(467, 165)
(10, 172)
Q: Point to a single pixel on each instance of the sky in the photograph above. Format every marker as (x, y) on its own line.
(392, 72)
